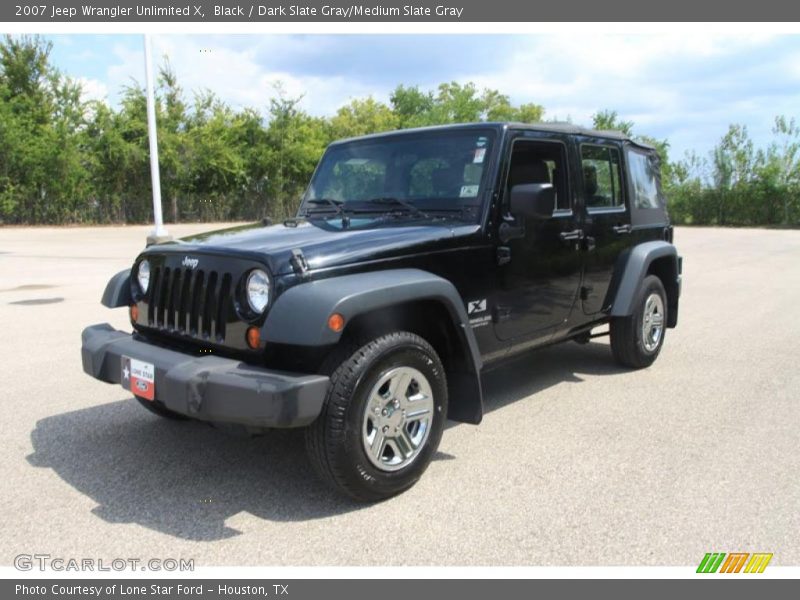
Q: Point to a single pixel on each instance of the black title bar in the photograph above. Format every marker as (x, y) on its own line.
(384, 589)
(198, 11)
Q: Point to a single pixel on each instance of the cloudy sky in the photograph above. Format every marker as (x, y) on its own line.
(686, 88)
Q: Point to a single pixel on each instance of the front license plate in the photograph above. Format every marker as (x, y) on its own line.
(139, 377)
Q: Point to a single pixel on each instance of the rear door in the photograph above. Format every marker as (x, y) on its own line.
(606, 216)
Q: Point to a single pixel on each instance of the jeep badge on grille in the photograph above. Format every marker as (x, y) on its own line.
(190, 262)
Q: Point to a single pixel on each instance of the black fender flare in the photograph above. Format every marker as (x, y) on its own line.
(118, 291)
(633, 270)
(300, 317)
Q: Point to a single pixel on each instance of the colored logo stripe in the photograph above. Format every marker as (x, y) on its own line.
(758, 562)
(733, 564)
(711, 562)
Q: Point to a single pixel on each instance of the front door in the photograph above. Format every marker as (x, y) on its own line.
(540, 280)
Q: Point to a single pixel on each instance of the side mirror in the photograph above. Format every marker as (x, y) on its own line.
(534, 200)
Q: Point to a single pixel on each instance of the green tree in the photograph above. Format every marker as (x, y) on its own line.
(175, 154)
(457, 103)
(63, 159)
(734, 158)
(216, 163)
(529, 113)
(608, 120)
(783, 164)
(361, 117)
(413, 107)
(293, 144)
(42, 173)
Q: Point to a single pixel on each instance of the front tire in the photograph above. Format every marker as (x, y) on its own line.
(636, 340)
(383, 416)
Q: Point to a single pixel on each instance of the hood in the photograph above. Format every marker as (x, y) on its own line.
(322, 243)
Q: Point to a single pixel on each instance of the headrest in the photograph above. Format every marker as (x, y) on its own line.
(529, 171)
(445, 180)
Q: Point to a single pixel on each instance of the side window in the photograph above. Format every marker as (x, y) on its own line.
(539, 162)
(602, 181)
(643, 180)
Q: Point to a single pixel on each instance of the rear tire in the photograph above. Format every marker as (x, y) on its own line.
(636, 340)
(157, 408)
(383, 416)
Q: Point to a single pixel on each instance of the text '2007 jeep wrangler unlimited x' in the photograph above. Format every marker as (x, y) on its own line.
(417, 258)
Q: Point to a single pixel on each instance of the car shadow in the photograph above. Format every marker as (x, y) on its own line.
(186, 479)
(536, 370)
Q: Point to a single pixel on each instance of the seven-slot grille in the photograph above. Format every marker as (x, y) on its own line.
(192, 302)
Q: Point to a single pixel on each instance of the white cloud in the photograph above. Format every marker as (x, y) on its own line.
(93, 89)
(128, 66)
(660, 81)
(653, 80)
(238, 76)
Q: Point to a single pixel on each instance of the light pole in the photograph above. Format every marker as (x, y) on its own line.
(159, 233)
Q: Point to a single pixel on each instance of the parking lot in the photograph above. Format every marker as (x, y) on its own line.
(577, 461)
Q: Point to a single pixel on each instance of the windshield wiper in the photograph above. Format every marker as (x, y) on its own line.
(389, 200)
(335, 204)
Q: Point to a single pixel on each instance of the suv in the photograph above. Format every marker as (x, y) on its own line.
(417, 259)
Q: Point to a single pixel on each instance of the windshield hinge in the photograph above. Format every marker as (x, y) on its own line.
(298, 262)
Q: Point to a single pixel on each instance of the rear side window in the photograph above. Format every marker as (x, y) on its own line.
(602, 181)
(643, 173)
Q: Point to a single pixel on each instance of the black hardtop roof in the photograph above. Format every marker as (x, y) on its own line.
(555, 127)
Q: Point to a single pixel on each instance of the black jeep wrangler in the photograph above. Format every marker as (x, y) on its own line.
(417, 259)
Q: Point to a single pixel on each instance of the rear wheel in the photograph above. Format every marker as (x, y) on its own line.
(383, 416)
(636, 340)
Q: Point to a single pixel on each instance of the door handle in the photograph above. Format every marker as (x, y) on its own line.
(501, 313)
(622, 229)
(569, 236)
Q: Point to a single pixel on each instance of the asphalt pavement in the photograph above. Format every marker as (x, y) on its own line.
(577, 461)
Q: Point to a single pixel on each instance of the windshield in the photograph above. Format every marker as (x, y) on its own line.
(420, 175)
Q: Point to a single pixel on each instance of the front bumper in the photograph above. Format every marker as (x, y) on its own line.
(209, 388)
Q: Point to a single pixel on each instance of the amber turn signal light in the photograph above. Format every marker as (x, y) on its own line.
(336, 322)
(253, 337)
(134, 312)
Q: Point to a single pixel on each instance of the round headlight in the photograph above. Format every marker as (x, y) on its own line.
(258, 290)
(143, 275)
